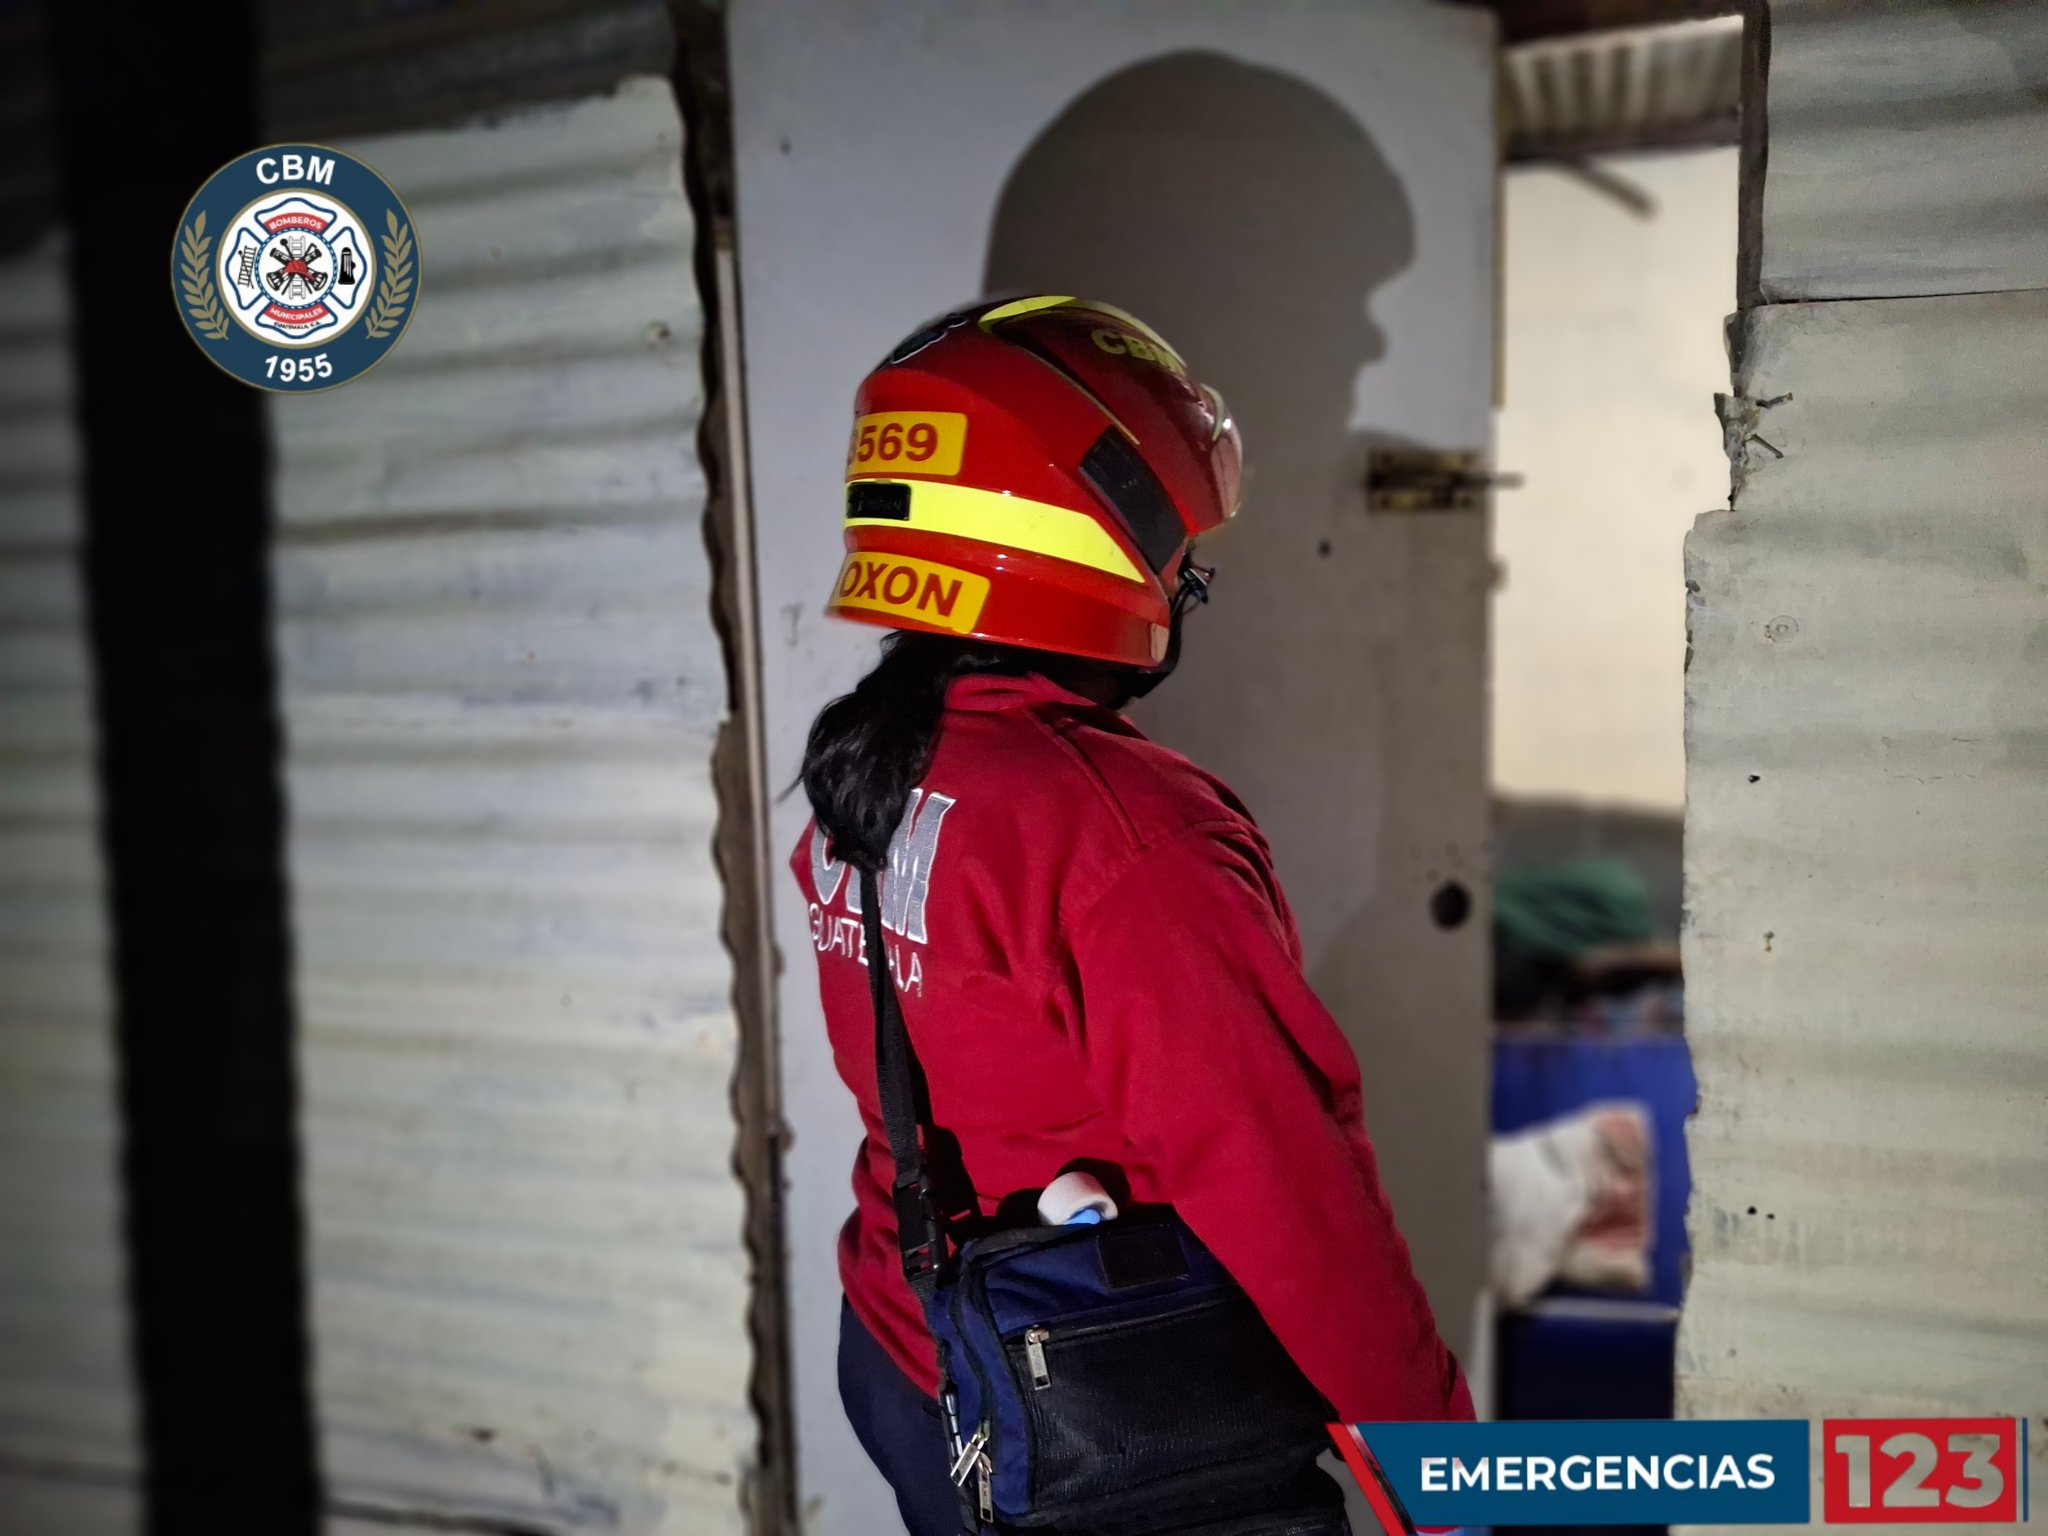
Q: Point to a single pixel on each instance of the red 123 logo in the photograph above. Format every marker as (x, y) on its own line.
(1952, 1470)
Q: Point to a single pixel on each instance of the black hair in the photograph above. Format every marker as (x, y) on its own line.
(870, 748)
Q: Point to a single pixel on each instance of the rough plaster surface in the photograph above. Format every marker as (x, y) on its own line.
(1866, 834)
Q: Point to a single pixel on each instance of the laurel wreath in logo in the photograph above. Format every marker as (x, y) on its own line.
(202, 303)
(394, 289)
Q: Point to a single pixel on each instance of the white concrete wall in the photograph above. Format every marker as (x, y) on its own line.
(1867, 818)
(1865, 840)
(1612, 339)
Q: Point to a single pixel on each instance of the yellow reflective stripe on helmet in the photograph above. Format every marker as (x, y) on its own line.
(1016, 307)
(967, 512)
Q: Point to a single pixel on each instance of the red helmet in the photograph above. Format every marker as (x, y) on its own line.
(1032, 473)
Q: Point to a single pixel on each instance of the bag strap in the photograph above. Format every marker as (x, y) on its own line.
(907, 1117)
(906, 1108)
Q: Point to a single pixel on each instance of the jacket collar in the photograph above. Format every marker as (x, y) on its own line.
(990, 693)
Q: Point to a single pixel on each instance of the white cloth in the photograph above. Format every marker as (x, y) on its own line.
(1570, 1200)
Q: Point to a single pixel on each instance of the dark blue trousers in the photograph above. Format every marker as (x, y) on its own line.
(900, 1429)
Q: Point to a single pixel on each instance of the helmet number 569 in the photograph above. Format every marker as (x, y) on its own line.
(911, 442)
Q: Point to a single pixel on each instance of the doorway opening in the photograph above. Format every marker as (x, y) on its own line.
(1619, 253)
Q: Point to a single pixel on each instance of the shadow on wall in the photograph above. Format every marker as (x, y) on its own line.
(1250, 218)
(1337, 683)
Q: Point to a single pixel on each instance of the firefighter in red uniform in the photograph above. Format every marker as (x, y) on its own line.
(1095, 960)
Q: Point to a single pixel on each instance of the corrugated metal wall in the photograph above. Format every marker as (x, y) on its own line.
(503, 683)
(1867, 743)
(70, 1451)
(1905, 149)
(502, 686)
(335, 67)
(70, 1444)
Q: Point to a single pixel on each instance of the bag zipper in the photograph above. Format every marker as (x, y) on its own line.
(1035, 1339)
(1105, 1324)
(1034, 1352)
(970, 1457)
(973, 1461)
(981, 1466)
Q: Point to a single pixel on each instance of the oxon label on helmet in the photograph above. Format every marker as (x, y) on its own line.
(921, 591)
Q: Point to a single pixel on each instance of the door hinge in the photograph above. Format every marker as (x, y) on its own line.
(1430, 480)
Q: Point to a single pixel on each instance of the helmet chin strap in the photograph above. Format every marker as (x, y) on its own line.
(1193, 590)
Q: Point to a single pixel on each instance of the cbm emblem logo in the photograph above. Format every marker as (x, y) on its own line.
(295, 268)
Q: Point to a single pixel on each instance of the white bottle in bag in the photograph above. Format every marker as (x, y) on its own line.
(1075, 1199)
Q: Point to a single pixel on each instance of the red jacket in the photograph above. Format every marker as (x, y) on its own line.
(1095, 961)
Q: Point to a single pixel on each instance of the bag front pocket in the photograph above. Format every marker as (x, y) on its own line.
(1188, 1396)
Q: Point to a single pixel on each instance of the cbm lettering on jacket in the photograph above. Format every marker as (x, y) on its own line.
(1095, 961)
